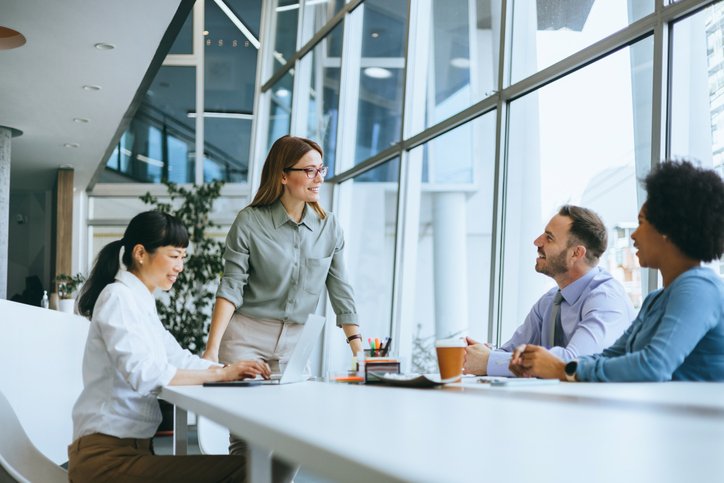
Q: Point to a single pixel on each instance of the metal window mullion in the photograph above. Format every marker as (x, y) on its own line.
(300, 96)
(497, 255)
(261, 100)
(198, 36)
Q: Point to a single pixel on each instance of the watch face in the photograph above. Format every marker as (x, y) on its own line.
(571, 368)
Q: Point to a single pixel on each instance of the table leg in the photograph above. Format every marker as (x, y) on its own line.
(180, 431)
(258, 464)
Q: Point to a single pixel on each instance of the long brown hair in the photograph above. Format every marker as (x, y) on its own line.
(284, 153)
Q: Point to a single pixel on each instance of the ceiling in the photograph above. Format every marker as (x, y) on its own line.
(41, 83)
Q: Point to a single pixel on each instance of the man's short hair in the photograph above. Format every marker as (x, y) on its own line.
(587, 229)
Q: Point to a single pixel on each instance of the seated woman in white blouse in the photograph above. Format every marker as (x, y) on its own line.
(129, 356)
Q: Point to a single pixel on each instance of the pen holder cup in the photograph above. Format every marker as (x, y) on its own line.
(376, 368)
(375, 353)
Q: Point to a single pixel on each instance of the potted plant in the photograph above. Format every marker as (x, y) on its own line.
(185, 310)
(67, 286)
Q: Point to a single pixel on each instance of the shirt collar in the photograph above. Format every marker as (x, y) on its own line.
(140, 291)
(280, 216)
(574, 290)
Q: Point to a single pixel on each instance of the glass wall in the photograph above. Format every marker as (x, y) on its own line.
(221, 40)
(482, 131)
(697, 87)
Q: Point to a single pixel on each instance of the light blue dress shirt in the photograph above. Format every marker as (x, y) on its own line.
(678, 335)
(594, 312)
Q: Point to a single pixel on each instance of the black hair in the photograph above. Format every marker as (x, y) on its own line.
(686, 203)
(152, 229)
(588, 229)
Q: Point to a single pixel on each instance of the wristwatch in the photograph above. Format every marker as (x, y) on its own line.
(570, 370)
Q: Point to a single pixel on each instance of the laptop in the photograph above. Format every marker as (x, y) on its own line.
(295, 369)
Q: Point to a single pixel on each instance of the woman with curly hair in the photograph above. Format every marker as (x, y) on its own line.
(679, 332)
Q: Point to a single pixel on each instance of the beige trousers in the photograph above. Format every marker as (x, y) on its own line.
(271, 341)
(99, 457)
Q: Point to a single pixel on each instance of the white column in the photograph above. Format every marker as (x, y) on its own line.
(5, 137)
(450, 264)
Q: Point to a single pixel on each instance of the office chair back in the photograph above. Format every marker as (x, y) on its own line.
(19, 457)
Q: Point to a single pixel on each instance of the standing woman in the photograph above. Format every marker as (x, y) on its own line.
(129, 356)
(679, 332)
(280, 253)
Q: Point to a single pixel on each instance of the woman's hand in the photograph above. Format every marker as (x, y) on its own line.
(530, 360)
(246, 370)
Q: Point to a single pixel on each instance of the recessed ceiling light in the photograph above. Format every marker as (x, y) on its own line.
(460, 62)
(104, 46)
(375, 35)
(71, 145)
(282, 92)
(377, 72)
(206, 32)
(10, 39)
(90, 87)
(81, 120)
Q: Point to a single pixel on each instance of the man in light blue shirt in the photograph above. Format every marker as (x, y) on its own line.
(585, 313)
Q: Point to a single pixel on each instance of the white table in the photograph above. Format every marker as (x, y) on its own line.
(381, 434)
(703, 399)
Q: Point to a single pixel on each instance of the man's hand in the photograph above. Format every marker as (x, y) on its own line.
(476, 358)
(530, 360)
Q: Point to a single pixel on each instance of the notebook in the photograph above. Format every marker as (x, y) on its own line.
(294, 371)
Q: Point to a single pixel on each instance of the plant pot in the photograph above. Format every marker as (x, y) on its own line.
(66, 305)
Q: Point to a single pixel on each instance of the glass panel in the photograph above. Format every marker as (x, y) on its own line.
(159, 143)
(184, 43)
(547, 31)
(697, 98)
(461, 56)
(285, 32)
(280, 112)
(324, 82)
(316, 14)
(370, 254)
(454, 240)
(230, 74)
(578, 140)
(381, 77)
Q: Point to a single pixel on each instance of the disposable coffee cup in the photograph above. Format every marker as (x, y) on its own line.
(450, 358)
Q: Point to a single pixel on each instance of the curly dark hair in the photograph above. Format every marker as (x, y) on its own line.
(686, 203)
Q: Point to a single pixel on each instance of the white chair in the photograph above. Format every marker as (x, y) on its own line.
(41, 373)
(213, 438)
(19, 457)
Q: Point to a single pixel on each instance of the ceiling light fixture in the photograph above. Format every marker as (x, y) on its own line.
(71, 145)
(223, 115)
(104, 46)
(282, 92)
(81, 120)
(294, 6)
(460, 62)
(90, 87)
(375, 35)
(10, 39)
(377, 72)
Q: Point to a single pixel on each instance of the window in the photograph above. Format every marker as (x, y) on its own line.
(280, 113)
(547, 31)
(454, 237)
(697, 91)
(379, 109)
(321, 70)
(578, 140)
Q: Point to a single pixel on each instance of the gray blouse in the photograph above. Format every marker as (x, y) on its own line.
(275, 268)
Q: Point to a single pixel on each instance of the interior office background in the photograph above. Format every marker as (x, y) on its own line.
(453, 129)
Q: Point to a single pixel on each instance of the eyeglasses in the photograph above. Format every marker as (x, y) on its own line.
(311, 172)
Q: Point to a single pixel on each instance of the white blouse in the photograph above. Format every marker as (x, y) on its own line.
(129, 356)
